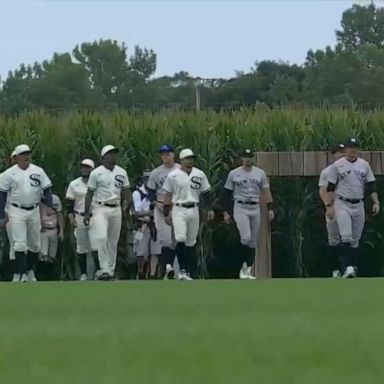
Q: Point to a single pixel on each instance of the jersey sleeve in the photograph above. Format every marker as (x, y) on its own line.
(151, 184)
(126, 184)
(370, 175)
(5, 182)
(264, 181)
(167, 186)
(92, 181)
(229, 182)
(57, 202)
(70, 194)
(136, 199)
(333, 174)
(45, 181)
(205, 186)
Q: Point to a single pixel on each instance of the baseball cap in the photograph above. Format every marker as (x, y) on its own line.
(247, 153)
(337, 148)
(166, 148)
(186, 153)
(22, 148)
(108, 148)
(13, 154)
(88, 163)
(351, 143)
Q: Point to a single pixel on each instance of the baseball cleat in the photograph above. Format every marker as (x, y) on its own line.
(16, 278)
(105, 277)
(83, 277)
(349, 273)
(184, 276)
(249, 274)
(24, 278)
(169, 272)
(243, 275)
(336, 274)
(31, 276)
(98, 274)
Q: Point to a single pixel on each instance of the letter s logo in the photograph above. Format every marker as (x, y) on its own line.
(119, 181)
(35, 180)
(196, 182)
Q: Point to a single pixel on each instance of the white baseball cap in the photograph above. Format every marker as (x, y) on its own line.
(108, 148)
(13, 154)
(88, 163)
(22, 148)
(186, 153)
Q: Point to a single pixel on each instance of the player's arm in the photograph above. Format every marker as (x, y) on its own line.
(4, 189)
(60, 219)
(125, 194)
(167, 191)
(372, 191)
(266, 196)
(328, 197)
(226, 197)
(46, 186)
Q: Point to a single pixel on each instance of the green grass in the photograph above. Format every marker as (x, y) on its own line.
(272, 331)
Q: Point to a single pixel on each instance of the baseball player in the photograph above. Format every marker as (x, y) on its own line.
(246, 185)
(349, 178)
(108, 191)
(52, 230)
(75, 198)
(337, 152)
(154, 188)
(23, 183)
(145, 239)
(183, 188)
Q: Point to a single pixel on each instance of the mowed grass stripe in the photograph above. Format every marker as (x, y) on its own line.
(277, 331)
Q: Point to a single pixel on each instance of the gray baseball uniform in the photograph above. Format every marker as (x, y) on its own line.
(246, 187)
(331, 224)
(350, 178)
(155, 182)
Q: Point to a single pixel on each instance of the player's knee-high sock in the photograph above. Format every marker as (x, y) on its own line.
(95, 256)
(334, 251)
(345, 255)
(82, 259)
(21, 262)
(180, 253)
(354, 256)
(250, 256)
(32, 259)
(189, 260)
(171, 256)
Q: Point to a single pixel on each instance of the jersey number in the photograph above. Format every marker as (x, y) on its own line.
(196, 182)
(35, 180)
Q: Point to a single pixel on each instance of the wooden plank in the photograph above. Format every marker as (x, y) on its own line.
(366, 155)
(314, 163)
(291, 163)
(377, 162)
(269, 162)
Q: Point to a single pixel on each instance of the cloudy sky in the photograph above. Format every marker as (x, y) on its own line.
(206, 38)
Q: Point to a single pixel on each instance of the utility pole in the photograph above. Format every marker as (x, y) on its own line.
(198, 98)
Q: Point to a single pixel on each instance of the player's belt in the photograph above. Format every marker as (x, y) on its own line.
(247, 202)
(352, 201)
(187, 205)
(23, 207)
(108, 204)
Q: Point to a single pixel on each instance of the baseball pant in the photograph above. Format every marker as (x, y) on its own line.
(49, 244)
(10, 240)
(104, 233)
(82, 236)
(247, 218)
(350, 219)
(164, 231)
(144, 246)
(186, 222)
(25, 228)
(333, 232)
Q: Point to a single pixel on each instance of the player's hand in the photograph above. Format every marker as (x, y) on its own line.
(49, 211)
(271, 215)
(210, 215)
(375, 208)
(330, 212)
(87, 219)
(72, 220)
(3, 221)
(227, 218)
(168, 219)
(61, 235)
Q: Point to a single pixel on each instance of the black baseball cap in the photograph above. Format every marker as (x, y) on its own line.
(166, 148)
(351, 143)
(247, 153)
(337, 148)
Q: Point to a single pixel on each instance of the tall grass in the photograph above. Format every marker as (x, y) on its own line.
(61, 140)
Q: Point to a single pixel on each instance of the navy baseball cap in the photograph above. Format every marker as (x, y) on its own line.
(166, 148)
(247, 153)
(337, 148)
(351, 143)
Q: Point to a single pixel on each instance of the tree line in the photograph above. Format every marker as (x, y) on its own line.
(103, 74)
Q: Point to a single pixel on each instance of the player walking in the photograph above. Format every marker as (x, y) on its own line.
(75, 197)
(337, 151)
(184, 188)
(155, 194)
(246, 185)
(23, 183)
(108, 188)
(349, 178)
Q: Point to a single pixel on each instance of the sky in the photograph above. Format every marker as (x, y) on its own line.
(205, 38)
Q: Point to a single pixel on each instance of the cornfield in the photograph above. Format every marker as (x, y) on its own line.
(61, 140)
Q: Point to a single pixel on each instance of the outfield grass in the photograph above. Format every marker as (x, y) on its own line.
(273, 331)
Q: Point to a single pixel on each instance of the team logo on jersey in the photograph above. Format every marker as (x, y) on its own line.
(196, 182)
(119, 181)
(35, 180)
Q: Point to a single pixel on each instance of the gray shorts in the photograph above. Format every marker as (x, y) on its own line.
(143, 245)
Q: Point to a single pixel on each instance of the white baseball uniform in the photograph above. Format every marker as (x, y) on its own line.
(105, 223)
(186, 190)
(8, 229)
(77, 190)
(155, 182)
(144, 245)
(49, 229)
(24, 189)
(331, 224)
(350, 179)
